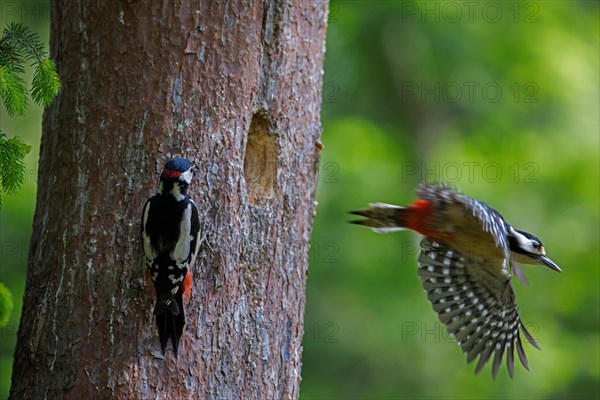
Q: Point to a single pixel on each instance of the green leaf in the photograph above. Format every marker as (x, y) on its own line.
(46, 83)
(6, 304)
(13, 91)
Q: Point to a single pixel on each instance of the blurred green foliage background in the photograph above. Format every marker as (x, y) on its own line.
(500, 98)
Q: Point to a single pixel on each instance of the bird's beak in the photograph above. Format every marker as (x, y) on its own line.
(549, 263)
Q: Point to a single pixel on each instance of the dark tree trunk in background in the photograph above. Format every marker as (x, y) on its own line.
(232, 85)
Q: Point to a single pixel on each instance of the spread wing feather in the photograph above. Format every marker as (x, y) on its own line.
(474, 298)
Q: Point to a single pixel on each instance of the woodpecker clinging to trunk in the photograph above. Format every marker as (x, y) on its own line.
(170, 228)
(464, 264)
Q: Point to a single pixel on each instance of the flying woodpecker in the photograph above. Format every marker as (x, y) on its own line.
(170, 228)
(465, 262)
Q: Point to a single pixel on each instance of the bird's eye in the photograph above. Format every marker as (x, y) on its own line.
(537, 245)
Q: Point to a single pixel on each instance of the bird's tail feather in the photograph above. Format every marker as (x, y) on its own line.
(166, 301)
(170, 324)
(382, 218)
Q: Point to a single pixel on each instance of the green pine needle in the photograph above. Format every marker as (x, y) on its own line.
(13, 92)
(46, 83)
(12, 163)
(10, 55)
(18, 44)
(6, 304)
(28, 42)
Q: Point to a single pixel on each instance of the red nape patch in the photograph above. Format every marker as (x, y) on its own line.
(169, 173)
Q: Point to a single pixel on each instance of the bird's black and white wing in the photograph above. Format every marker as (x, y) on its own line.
(194, 232)
(150, 252)
(491, 221)
(494, 223)
(474, 298)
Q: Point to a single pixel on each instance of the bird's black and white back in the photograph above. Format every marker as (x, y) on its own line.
(456, 212)
(170, 227)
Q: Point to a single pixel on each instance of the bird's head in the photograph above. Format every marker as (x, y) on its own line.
(528, 249)
(176, 177)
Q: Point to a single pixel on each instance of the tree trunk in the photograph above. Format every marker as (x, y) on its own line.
(234, 86)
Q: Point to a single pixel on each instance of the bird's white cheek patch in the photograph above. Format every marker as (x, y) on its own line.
(187, 176)
(524, 243)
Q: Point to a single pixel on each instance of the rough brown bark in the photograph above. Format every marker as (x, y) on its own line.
(233, 85)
